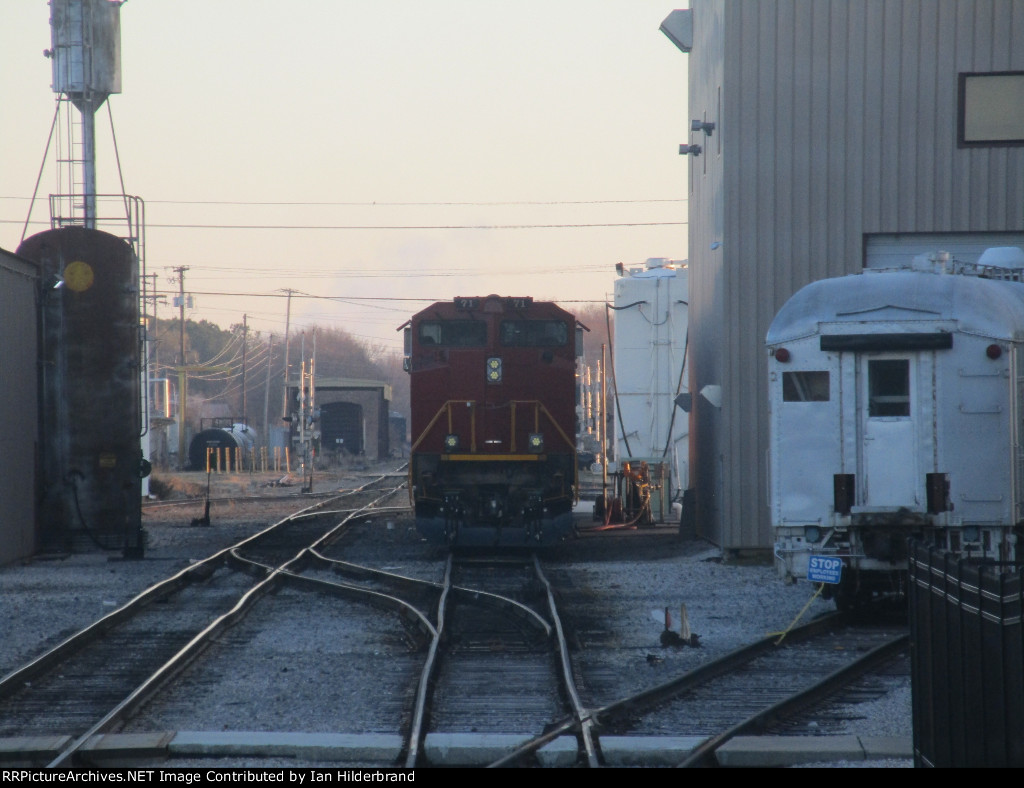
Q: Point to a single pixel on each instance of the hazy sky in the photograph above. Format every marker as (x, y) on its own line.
(462, 129)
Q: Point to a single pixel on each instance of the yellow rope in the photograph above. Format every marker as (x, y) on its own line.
(782, 635)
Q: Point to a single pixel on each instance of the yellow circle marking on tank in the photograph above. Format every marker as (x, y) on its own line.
(78, 276)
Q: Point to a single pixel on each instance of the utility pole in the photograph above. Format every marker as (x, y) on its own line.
(151, 362)
(266, 393)
(287, 322)
(180, 271)
(245, 347)
(182, 370)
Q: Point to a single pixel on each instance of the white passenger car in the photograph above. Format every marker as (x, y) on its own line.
(896, 412)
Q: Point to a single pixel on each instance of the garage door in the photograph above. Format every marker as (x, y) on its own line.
(891, 250)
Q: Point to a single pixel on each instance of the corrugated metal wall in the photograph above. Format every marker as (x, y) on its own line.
(835, 119)
(18, 410)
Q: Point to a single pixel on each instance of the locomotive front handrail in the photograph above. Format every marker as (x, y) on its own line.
(538, 409)
(447, 408)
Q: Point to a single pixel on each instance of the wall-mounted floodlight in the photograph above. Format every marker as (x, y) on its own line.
(692, 150)
(712, 394)
(702, 125)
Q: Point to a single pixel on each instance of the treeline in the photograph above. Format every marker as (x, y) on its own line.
(239, 372)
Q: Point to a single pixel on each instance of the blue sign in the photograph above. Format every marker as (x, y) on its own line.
(824, 569)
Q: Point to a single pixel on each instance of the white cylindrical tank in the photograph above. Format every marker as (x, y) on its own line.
(651, 312)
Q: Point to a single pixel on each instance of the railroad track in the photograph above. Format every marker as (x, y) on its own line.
(94, 680)
(497, 663)
(458, 628)
(756, 689)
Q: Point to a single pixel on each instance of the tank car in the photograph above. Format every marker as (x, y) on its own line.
(493, 418)
(90, 456)
(896, 412)
(232, 443)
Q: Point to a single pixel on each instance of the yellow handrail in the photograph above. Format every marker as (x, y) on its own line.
(538, 408)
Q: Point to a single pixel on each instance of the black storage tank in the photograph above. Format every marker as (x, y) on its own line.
(90, 424)
(224, 440)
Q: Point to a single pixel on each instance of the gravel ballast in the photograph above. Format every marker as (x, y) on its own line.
(42, 601)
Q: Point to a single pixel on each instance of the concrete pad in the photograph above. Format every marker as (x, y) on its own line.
(27, 751)
(560, 752)
(123, 748)
(647, 750)
(470, 749)
(356, 747)
(760, 751)
(881, 748)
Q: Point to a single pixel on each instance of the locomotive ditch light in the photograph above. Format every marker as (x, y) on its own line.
(536, 442)
(812, 534)
(494, 370)
(451, 442)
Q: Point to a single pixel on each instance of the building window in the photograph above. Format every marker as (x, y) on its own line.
(991, 109)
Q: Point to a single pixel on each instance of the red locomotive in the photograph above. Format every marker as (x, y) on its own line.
(493, 391)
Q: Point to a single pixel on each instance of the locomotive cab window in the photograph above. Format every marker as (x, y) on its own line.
(534, 333)
(805, 386)
(453, 333)
(889, 388)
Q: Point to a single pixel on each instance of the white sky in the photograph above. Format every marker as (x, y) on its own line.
(382, 113)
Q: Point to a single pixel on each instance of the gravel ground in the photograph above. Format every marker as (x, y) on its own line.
(43, 601)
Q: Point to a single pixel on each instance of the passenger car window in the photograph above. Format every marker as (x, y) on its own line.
(805, 386)
(889, 387)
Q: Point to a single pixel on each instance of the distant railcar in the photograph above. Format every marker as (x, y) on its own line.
(897, 411)
(493, 421)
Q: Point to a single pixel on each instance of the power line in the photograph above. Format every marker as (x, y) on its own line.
(304, 227)
(375, 203)
(343, 299)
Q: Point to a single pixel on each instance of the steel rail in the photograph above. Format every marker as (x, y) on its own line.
(358, 593)
(586, 733)
(463, 592)
(704, 753)
(657, 694)
(416, 727)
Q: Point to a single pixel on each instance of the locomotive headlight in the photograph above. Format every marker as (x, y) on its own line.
(536, 442)
(451, 442)
(494, 370)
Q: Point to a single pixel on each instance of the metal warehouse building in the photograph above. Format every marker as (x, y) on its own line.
(828, 136)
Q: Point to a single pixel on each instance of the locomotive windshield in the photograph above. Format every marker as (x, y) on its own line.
(453, 333)
(534, 333)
